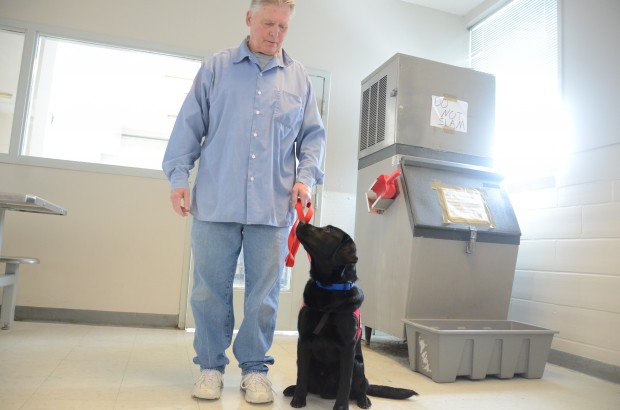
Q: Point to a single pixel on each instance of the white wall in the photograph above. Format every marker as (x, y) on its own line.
(568, 271)
(120, 248)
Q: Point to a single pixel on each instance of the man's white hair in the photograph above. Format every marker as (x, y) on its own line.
(254, 4)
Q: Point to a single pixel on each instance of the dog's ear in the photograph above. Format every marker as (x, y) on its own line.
(346, 252)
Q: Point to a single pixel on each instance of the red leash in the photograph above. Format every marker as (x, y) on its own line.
(293, 242)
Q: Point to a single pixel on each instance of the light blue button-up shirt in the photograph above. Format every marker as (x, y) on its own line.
(248, 126)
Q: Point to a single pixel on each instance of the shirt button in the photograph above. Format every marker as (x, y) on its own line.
(251, 178)
(259, 92)
(257, 112)
(253, 156)
(256, 134)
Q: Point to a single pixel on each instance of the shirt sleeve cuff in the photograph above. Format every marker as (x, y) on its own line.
(178, 180)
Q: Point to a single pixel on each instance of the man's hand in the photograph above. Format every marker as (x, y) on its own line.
(180, 201)
(302, 192)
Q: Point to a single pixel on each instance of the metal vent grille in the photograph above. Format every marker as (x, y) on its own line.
(372, 127)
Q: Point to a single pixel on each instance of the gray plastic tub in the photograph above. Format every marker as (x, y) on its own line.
(444, 349)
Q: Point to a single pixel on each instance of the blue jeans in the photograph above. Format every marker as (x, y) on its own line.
(216, 247)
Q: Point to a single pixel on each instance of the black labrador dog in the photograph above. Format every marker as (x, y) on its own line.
(329, 352)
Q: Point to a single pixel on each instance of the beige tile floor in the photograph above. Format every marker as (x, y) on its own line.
(60, 366)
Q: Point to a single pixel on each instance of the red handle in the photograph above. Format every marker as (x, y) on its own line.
(385, 185)
(392, 176)
(390, 185)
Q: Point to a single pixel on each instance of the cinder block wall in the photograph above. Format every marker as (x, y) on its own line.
(568, 270)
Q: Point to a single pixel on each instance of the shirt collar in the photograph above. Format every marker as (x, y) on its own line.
(243, 52)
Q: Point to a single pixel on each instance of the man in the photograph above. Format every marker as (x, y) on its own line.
(249, 115)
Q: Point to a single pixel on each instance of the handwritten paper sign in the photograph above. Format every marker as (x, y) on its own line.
(449, 113)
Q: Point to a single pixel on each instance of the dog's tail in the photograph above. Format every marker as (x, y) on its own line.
(387, 392)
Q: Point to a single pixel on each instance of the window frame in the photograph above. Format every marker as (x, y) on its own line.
(32, 32)
(13, 87)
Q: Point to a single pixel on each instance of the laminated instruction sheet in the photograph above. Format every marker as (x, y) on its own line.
(461, 205)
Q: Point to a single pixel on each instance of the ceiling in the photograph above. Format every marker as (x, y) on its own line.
(458, 7)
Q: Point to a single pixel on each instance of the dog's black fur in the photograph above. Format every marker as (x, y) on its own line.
(329, 352)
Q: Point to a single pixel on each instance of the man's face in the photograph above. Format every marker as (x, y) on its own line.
(268, 27)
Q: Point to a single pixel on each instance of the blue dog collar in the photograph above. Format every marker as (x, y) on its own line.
(336, 286)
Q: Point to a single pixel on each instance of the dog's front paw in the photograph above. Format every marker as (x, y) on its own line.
(341, 406)
(298, 402)
(364, 402)
(289, 391)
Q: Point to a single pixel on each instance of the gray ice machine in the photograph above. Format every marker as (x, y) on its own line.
(443, 242)
(436, 234)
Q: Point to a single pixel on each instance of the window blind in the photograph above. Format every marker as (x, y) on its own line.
(519, 45)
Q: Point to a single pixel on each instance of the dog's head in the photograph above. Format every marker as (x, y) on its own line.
(332, 251)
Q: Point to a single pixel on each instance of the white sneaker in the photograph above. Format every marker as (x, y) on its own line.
(257, 388)
(209, 385)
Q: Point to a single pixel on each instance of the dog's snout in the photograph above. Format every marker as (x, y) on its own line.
(303, 226)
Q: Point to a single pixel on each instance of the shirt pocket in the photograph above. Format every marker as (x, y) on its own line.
(287, 108)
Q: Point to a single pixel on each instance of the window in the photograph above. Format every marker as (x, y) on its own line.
(11, 48)
(100, 104)
(519, 45)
